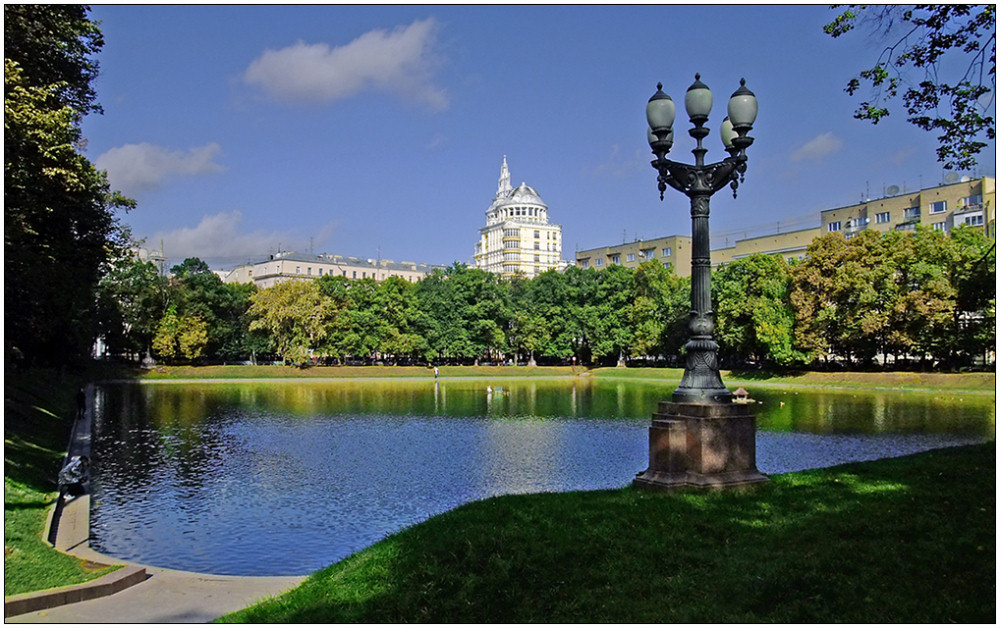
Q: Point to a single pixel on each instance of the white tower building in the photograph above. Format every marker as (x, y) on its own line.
(517, 237)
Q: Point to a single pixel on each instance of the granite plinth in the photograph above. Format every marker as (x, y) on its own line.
(701, 446)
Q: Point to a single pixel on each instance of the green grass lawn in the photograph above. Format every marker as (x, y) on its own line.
(929, 382)
(902, 540)
(37, 420)
(277, 371)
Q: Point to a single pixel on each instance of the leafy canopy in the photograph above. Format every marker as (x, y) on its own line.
(943, 57)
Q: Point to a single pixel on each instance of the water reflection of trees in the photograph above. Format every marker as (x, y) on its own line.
(153, 435)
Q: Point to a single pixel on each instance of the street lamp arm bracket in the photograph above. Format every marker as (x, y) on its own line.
(699, 180)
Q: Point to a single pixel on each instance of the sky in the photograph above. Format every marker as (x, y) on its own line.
(379, 131)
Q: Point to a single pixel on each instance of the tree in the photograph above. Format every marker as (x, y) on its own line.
(180, 336)
(54, 45)
(190, 266)
(954, 46)
(753, 311)
(613, 313)
(662, 303)
(59, 212)
(197, 291)
(295, 315)
(131, 300)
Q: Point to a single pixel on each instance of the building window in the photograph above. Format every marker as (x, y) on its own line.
(939, 226)
(538, 246)
(616, 259)
(971, 201)
(354, 274)
(939, 206)
(538, 234)
(911, 213)
(599, 262)
(585, 264)
(309, 270)
(667, 252)
(630, 257)
(251, 272)
(298, 270)
(344, 273)
(882, 217)
(667, 265)
(976, 220)
(833, 226)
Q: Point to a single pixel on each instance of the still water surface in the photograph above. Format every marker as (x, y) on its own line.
(286, 477)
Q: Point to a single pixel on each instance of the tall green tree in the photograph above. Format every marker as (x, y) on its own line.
(295, 315)
(59, 211)
(613, 313)
(660, 311)
(131, 299)
(945, 56)
(753, 312)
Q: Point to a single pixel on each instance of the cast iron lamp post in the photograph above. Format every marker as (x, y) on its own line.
(701, 382)
(701, 439)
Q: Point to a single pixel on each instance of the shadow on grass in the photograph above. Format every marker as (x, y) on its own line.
(903, 540)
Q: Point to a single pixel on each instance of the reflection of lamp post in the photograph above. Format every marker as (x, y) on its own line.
(701, 439)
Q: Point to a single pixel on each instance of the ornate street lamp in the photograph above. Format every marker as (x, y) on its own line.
(701, 438)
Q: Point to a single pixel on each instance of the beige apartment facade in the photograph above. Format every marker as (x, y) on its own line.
(969, 202)
(518, 238)
(673, 252)
(290, 266)
(791, 245)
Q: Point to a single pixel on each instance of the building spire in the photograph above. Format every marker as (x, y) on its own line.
(503, 187)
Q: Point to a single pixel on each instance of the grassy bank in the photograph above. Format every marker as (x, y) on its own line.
(38, 411)
(902, 540)
(361, 372)
(952, 382)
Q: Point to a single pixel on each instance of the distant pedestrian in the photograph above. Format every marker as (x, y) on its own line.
(81, 402)
(435, 372)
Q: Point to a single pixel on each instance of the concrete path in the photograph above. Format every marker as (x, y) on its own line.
(166, 597)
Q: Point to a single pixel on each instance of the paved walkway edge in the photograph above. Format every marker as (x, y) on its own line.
(105, 585)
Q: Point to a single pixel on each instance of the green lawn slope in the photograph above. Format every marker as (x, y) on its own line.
(901, 540)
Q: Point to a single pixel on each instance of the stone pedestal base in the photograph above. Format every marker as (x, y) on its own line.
(701, 446)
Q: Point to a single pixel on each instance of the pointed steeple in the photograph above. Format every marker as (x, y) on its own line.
(503, 187)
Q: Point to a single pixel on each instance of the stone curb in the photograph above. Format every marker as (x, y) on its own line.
(105, 585)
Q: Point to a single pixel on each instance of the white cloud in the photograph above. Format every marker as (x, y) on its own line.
(619, 163)
(818, 148)
(135, 168)
(401, 61)
(220, 237)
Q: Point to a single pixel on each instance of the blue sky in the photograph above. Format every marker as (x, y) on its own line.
(380, 130)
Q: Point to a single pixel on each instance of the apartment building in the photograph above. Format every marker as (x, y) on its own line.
(966, 202)
(300, 266)
(963, 202)
(791, 245)
(672, 251)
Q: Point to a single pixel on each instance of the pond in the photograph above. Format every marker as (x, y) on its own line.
(286, 477)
